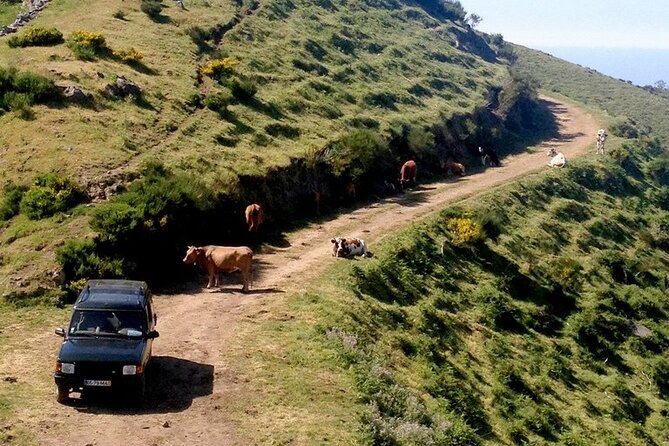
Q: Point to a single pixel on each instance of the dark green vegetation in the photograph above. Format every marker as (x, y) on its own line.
(20, 90)
(536, 315)
(36, 37)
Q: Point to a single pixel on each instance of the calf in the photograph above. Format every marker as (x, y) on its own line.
(348, 247)
(558, 160)
(255, 216)
(408, 173)
(227, 259)
(454, 169)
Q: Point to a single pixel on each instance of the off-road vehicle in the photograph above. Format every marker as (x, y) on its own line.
(107, 345)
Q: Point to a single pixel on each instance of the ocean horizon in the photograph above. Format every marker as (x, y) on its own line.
(641, 66)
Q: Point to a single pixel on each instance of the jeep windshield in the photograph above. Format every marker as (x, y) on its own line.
(108, 323)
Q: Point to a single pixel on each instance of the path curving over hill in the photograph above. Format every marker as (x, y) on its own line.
(196, 384)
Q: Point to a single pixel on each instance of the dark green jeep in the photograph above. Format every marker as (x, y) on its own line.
(108, 343)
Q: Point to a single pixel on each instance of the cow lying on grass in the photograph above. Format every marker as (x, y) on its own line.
(349, 247)
(227, 259)
(558, 160)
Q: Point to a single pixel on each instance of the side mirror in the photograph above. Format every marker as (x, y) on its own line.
(60, 331)
(152, 334)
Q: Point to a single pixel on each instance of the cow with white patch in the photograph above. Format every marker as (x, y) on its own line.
(348, 247)
(227, 259)
(601, 139)
(558, 159)
(489, 157)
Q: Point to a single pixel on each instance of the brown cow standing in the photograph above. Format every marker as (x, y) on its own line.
(227, 259)
(408, 173)
(349, 190)
(254, 216)
(454, 169)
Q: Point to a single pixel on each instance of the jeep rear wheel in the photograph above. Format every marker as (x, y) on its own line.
(62, 394)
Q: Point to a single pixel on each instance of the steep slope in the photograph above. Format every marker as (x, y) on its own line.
(267, 101)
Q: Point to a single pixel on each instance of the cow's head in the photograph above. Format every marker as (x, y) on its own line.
(192, 254)
(551, 152)
(339, 248)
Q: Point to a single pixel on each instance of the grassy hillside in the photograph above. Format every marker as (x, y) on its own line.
(241, 101)
(318, 69)
(534, 315)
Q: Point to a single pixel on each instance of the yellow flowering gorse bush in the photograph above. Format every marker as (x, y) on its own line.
(464, 230)
(219, 68)
(128, 56)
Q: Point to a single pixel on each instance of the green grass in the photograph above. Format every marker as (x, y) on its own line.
(520, 338)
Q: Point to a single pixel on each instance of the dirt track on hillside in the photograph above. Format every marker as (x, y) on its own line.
(196, 327)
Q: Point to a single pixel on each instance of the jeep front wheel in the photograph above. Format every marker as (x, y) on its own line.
(62, 394)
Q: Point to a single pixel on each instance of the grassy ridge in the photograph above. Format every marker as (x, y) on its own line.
(618, 98)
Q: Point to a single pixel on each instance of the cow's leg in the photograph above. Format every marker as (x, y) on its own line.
(245, 280)
(213, 277)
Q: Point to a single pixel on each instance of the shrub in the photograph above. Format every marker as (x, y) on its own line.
(36, 37)
(284, 130)
(12, 195)
(243, 90)
(79, 260)
(119, 14)
(355, 154)
(464, 231)
(661, 377)
(218, 102)
(566, 271)
(49, 194)
(628, 405)
(19, 103)
(152, 8)
(86, 45)
(219, 69)
(129, 56)
(625, 128)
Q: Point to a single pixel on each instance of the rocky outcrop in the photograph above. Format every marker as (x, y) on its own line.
(74, 94)
(122, 88)
(24, 18)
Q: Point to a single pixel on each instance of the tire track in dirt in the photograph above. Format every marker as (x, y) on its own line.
(187, 402)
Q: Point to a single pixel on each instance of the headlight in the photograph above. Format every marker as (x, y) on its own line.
(131, 370)
(67, 368)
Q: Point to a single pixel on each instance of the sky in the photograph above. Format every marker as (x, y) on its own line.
(576, 23)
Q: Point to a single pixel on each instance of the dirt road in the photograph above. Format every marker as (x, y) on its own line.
(185, 404)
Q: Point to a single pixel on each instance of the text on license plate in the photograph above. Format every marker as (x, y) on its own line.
(97, 382)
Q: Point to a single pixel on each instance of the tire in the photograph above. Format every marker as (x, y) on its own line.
(62, 394)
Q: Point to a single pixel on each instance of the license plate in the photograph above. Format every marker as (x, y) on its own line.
(97, 382)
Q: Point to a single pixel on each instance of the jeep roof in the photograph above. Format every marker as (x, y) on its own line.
(113, 294)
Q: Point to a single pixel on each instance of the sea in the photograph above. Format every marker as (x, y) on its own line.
(641, 66)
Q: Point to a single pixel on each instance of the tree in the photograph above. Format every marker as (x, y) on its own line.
(474, 19)
(660, 85)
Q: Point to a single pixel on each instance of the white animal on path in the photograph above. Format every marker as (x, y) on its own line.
(601, 139)
(558, 160)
